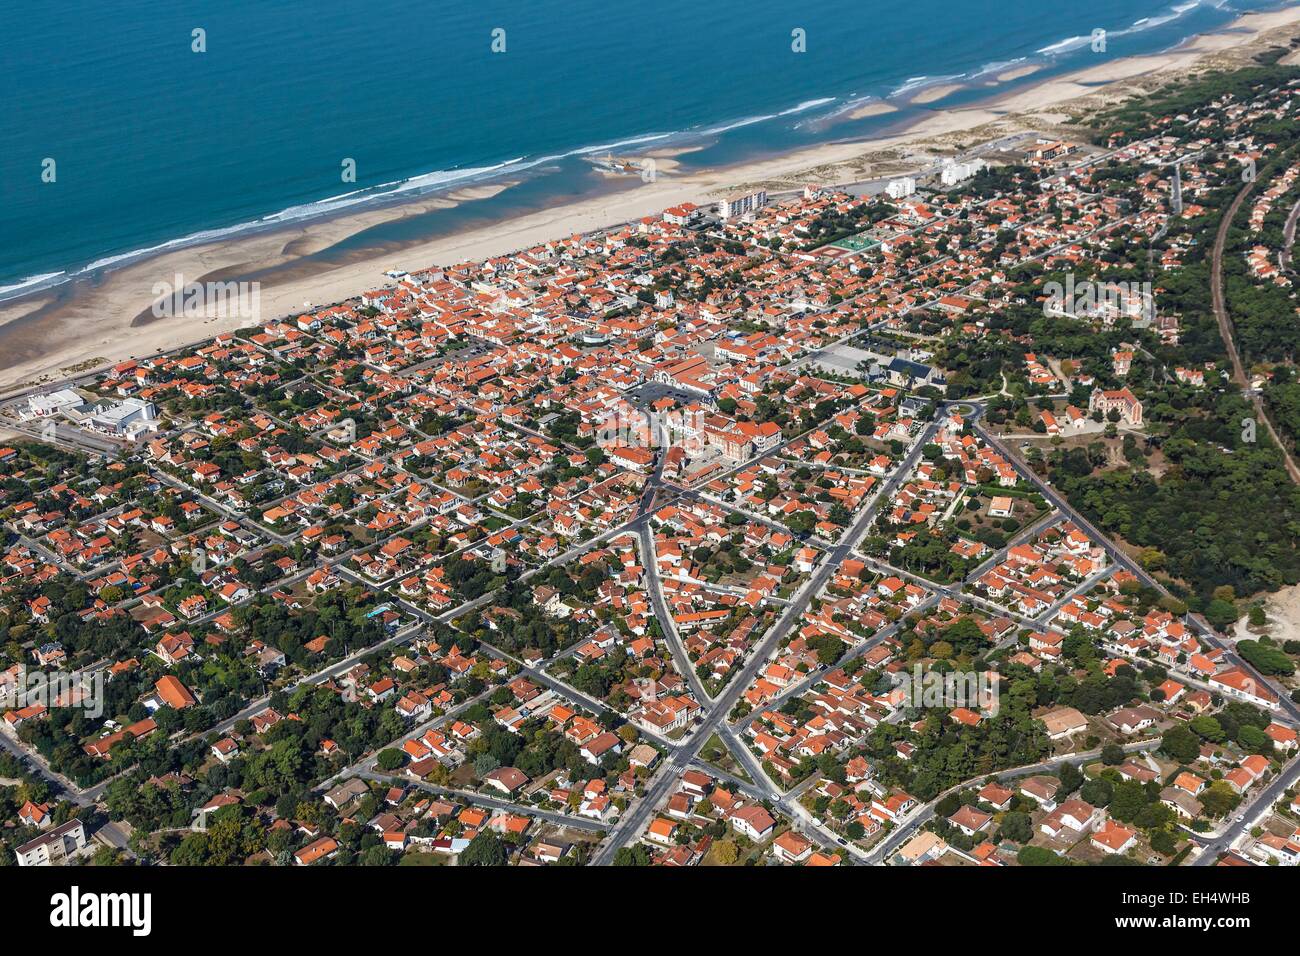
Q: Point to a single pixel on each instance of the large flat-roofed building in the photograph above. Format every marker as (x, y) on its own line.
(128, 415)
(844, 360)
(901, 188)
(55, 403)
(737, 204)
(954, 173)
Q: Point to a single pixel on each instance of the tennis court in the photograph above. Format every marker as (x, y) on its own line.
(856, 243)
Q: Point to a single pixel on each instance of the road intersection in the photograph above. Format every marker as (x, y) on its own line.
(714, 716)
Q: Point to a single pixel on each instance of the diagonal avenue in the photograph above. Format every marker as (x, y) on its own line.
(636, 817)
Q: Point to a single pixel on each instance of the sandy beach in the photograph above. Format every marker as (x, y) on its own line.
(932, 93)
(1018, 73)
(89, 323)
(878, 108)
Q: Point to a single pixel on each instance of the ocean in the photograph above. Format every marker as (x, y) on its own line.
(120, 138)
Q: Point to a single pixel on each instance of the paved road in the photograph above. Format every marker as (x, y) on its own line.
(115, 834)
(482, 799)
(1286, 706)
(367, 763)
(810, 680)
(659, 785)
(1288, 239)
(1225, 328)
(1245, 816)
(34, 763)
(69, 437)
(886, 848)
(680, 658)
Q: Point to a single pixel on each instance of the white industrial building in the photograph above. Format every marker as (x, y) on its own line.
(55, 403)
(128, 417)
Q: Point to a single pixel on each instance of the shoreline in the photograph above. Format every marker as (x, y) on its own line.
(95, 321)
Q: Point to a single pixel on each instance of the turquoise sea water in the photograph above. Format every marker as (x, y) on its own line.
(155, 144)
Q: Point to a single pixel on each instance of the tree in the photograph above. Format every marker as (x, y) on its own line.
(1207, 727)
(1173, 605)
(829, 648)
(1218, 799)
(947, 806)
(725, 852)
(1162, 841)
(377, 855)
(1039, 856)
(1070, 779)
(1112, 755)
(632, 856)
(1152, 559)
(1181, 744)
(192, 850)
(389, 759)
(486, 849)
(1097, 791)
(1129, 800)
(1017, 827)
(1220, 613)
(1266, 657)
(1254, 740)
